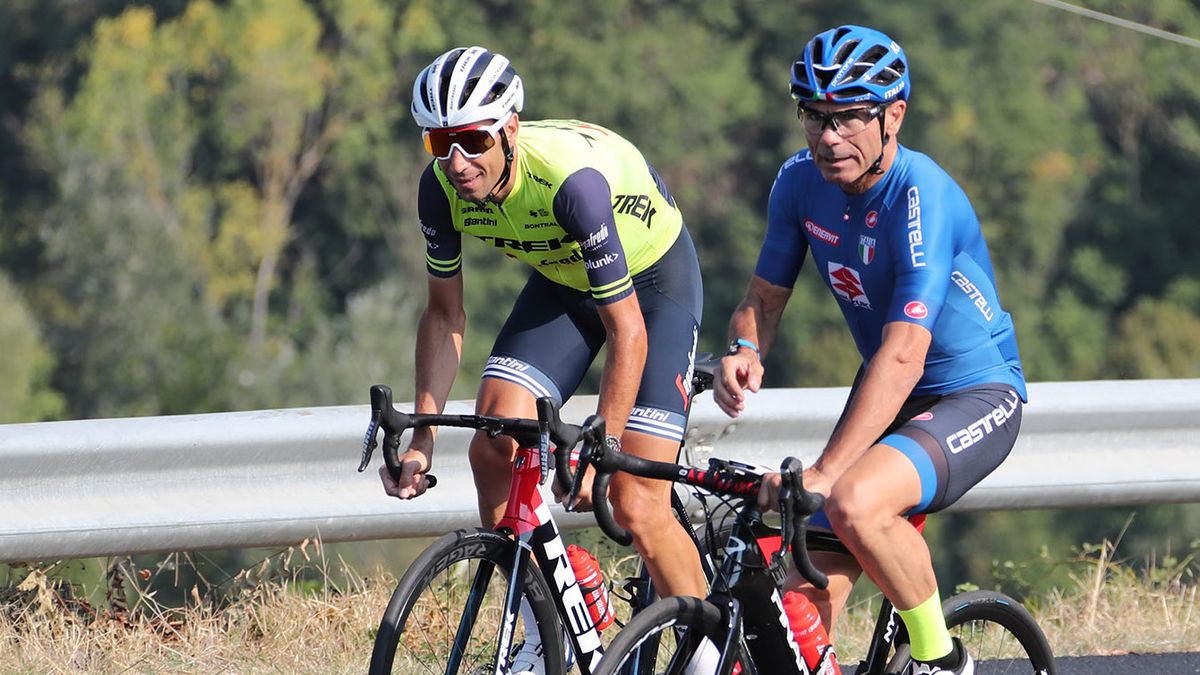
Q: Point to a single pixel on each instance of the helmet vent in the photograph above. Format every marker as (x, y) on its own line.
(874, 55)
(843, 52)
(857, 71)
(886, 77)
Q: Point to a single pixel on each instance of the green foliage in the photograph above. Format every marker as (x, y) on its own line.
(25, 395)
(211, 206)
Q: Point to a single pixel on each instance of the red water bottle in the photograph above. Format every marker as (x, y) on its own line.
(810, 634)
(591, 584)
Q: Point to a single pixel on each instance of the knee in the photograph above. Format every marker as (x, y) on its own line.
(640, 507)
(855, 507)
(490, 454)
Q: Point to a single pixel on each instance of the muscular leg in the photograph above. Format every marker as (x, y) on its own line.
(643, 507)
(865, 510)
(842, 571)
(491, 458)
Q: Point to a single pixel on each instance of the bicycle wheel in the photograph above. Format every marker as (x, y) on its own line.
(676, 626)
(999, 633)
(419, 628)
(710, 544)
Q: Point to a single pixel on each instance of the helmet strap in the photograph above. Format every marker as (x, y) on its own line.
(874, 169)
(504, 175)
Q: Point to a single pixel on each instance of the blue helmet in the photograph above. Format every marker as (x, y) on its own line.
(849, 64)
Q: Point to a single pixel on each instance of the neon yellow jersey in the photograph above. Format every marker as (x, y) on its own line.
(586, 211)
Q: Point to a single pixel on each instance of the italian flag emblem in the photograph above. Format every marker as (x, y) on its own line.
(866, 249)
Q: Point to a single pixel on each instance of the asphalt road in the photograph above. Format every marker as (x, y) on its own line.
(1127, 664)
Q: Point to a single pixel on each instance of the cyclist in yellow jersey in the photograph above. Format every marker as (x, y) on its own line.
(551, 152)
(613, 265)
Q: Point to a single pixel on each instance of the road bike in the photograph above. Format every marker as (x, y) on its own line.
(457, 608)
(743, 617)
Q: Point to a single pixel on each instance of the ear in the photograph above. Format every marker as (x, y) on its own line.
(895, 117)
(511, 127)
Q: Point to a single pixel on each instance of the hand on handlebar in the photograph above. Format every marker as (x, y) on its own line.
(412, 481)
(583, 501)
(737, 373)
(768, 493)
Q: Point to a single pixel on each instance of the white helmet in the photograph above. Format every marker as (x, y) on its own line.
(466, 85)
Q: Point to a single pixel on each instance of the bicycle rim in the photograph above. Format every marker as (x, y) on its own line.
(1001, 636)
(674, 628)
(707, 546)
(420, 629)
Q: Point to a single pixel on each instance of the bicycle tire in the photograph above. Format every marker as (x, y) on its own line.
(999, 633)
(423, 614)
(675, 624)
(706, 540)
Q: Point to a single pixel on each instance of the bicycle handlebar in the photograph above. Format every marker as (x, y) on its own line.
(796, 504)
(527, 432)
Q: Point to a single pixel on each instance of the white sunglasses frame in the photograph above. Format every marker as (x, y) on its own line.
(492, 130)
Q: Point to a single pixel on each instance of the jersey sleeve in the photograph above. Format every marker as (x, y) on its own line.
(443, 243)
(583, 207)
(784, 246)
(923, 256)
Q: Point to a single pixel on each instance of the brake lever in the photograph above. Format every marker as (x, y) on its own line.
(545, 409)
(585, 460)
(369, 443)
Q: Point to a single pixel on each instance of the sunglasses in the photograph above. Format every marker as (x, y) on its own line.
(845, 123)
(472, 139)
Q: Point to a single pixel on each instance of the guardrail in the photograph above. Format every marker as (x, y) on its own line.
(264, 478)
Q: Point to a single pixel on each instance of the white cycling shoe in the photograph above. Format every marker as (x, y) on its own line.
(966, 664)
(529, 659)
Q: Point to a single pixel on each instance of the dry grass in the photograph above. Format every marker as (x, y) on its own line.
(1114, 610)
(271, 622)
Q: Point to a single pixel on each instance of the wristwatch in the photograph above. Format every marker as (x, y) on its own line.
(612, 443)
(742, 342)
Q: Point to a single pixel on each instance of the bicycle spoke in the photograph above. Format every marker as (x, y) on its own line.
(994, 649)
(428, 644)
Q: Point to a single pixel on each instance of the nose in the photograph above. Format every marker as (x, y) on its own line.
(457, 160)
(829, 138)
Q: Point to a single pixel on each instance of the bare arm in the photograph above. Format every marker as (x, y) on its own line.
(889, 380)
(626, 357)
(439, 349)
(756, 319)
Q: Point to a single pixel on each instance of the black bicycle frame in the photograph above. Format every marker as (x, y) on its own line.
(747, 590)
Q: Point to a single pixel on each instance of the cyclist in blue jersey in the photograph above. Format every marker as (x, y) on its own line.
(937, 403)
(613, 266)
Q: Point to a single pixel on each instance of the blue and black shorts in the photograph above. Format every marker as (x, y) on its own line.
(953, 440)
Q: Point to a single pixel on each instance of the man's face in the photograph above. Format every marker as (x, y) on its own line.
(473, 178)
(844, 154)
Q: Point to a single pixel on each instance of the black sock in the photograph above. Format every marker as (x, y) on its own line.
(950, 661)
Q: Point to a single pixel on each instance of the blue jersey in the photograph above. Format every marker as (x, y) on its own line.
(909, 249)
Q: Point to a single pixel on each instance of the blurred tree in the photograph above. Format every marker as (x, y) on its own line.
(25, 395)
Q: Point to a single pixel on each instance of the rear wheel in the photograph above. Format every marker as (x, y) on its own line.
(449, 606)
(1001, 636)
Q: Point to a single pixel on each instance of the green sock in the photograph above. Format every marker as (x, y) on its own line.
(927, 632)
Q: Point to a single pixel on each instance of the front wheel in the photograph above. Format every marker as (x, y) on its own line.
(678, 628)
(449, 607)
(996, 630)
